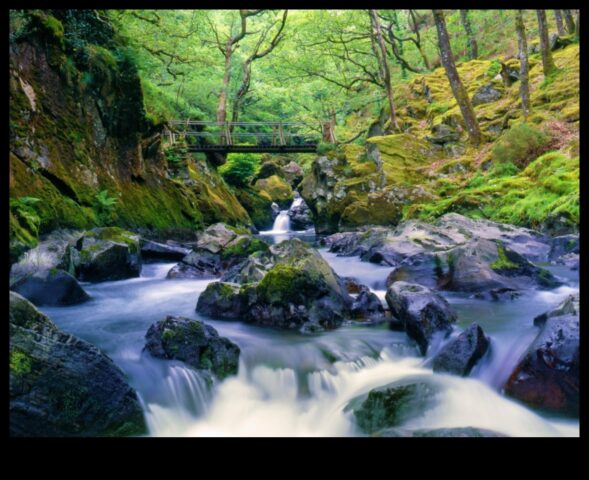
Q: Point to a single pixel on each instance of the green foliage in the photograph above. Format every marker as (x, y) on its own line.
(437, 108)
(504, 169)
(494, 69)
(105, 206)
(20, 363)
(324, 148)
(176, 154)
(520, 145)
(240, 168)
(24, 209)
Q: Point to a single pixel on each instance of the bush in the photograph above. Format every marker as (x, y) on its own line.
(520, 145)
(240, 168)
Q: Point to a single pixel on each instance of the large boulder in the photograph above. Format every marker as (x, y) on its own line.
(45, 274)
(277, 188)
(289, 286)
(548, 375)
(461, 354)
(217, 251)
(162, 251)
(424, 313)
(484, 265)
(52, 287)
(108, 253)
(442, 134)
(392, 405)
(564, 250)
(63, 386)
(195, 343)
(222, 300)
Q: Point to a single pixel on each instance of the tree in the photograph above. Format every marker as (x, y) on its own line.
(570, 23)
(524, 90)
(578, 29)
(547, 60)
(460, 93)
(255, 55)
(559, 24)
(386, 74)
(472, 42)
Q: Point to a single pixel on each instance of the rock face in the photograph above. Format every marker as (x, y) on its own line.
(460, 355)
(389, 406)
(218, 249)
(195, 343)
(108, 253)
(49, 254)
(63, 386)
(293, 173)
(289, 286)
(51, 287)
(565, 251)
(443, 134)
(162, 251)
(548, 375)
(423, 312)
(485, 94)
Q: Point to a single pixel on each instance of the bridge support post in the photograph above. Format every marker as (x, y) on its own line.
(281, 134)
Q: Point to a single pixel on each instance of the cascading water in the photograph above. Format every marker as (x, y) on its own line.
(289, 384)
(281, 223)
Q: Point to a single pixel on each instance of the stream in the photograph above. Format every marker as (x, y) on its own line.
(298, 385)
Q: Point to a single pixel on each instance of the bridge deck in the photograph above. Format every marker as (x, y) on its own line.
(309, 148)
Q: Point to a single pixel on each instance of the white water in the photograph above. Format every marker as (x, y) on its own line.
(287, 384)
(281, 228)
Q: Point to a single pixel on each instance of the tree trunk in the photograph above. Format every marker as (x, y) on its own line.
(460, 93)
(578, 25)
(385, 69)
(222, 108)
(524, 89)
(473, 51)
(568, 18)
(547, 60)
(396, 26)
(559, 24)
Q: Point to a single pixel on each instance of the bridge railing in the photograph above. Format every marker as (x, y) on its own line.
(262, 134)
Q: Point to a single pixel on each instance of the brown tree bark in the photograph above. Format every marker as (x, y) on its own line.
(559, 24)
(547, 60)
(524, 90)
(385, 68)
(570, 22)
(460, 93)
(578, 25)
(473, 51)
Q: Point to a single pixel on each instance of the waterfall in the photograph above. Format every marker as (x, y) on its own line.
(282, 223)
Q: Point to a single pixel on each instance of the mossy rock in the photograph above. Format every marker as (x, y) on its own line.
(277, 188)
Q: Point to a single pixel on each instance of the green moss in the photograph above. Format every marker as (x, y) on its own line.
(287, 284)
(520, 144)
(20, 363)
(502, 262)
(277, 188)
(244, 247)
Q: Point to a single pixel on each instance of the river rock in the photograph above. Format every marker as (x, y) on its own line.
(484, 265)
(564, 250)
(423, 312)
(162, 251)
(204, 263)
(194, 343)
(297, 290)
(61, 385)
(367, 305)
(222, 300)
(392, 405)
(108, 253)
(455, 432)
(52, 287)
(49, 254)
(461, 354)
(485, 94)
(548, 375)
(215, 237)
